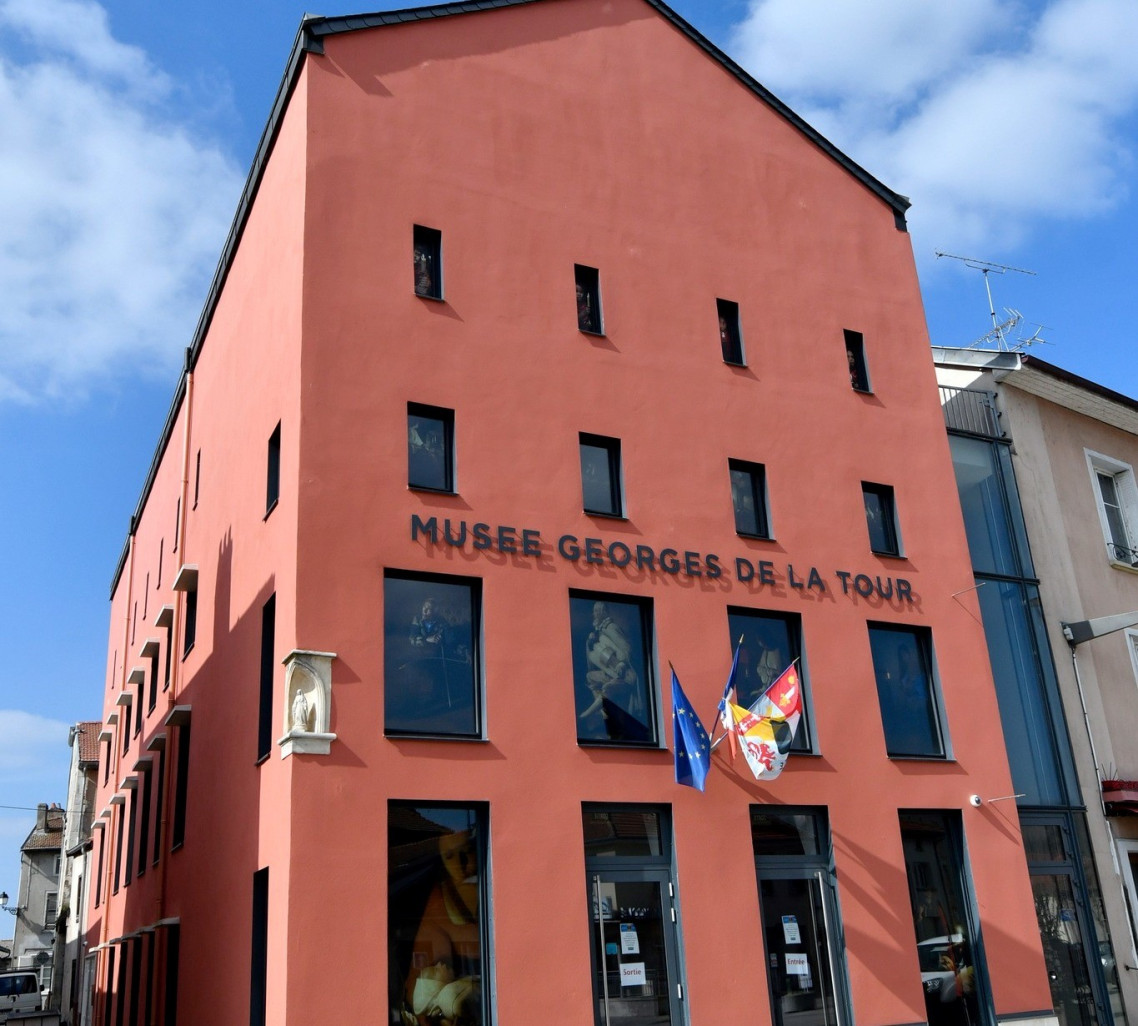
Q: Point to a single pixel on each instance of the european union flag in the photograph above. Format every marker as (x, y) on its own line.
(693, 749)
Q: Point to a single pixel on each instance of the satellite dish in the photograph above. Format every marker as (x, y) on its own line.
(42, 958)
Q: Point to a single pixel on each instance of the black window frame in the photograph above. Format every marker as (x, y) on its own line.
(893, 701)
(259, 949)
(615, 473)
(730, 333)
(411, 835)
(418, 448)
(406, 632)
(190, 623)
(615, 724)
(273, 470)
(887, 540)
(856, 362)
(427, 262)
(265, 687)
(181, 787)
(587, 281)
(765, 674)
(755, 485)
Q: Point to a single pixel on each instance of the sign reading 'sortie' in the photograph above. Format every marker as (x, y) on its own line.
(762, 573)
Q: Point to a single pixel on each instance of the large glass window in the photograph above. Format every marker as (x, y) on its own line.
(902, 664)
(612, 673)
(1027, 692)
(437, 939)
(430, 448)
(769, 643)
(631, 899)
(993, 520)
(948, 950)
(801, 928)
(431, 672)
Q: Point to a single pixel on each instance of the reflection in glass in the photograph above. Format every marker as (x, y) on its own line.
(770, 644)
(748, 496)
(634, 987)
(600, 475)
(946, 947)
(880, 517)
(779, 833)
(436, 915)
(430, 445)
(1063, 949)
(622, 833)
(611, 679)
(901, 664)
(430, 658)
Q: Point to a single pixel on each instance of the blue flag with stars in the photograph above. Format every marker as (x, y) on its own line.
(693, 749)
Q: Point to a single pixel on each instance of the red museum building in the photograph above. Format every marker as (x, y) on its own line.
(549, 349)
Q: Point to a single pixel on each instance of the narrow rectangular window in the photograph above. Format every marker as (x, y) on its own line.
(903, 667)
(146, 596)
(152, 694)
(268, 664)
(109, 993)
(730, 332)
(1117, 498)
(769, 642)
(159, 798)
(181, 788)
(438, 913)
(273, 461)
(601, 475)
(613, 683)
(131, 835)
(749, 497)
(50, 909)
(428, 263)
(430, 448)
(161, 546)
(173, 953)
(881, 518)
(177, 524)
(855, 357)
(120, 816)
(432, 672)
(259, 953)
(133, 622)
(145, 795)
(197, 477)
(191, 627)
(126, 729)
(588, 282)
(169, 652)
(135, 988)
(101, 842)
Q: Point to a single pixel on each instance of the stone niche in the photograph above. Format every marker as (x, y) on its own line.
(308, 703)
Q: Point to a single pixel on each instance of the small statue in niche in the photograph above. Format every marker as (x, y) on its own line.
(299, 711)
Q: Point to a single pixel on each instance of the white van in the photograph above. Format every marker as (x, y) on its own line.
(19, 992)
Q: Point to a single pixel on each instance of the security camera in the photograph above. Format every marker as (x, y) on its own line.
(975, 801)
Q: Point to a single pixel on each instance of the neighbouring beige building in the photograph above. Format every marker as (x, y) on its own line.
(1069, 448)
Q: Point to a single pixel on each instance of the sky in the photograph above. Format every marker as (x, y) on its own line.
(127, 128)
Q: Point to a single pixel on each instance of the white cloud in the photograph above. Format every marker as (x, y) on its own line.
(32, 744)
(113, 211)
(989, 114)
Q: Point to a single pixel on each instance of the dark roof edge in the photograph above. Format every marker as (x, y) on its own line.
(303, 43)
(309, 36)
(1069, 378)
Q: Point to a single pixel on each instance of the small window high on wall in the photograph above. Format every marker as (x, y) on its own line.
(428, 264)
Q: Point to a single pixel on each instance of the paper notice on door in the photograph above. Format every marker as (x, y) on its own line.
(632, 974)
(790, 932)
(796, 964)
(629, 941)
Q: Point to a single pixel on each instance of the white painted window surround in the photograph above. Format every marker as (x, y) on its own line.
(1116, 496)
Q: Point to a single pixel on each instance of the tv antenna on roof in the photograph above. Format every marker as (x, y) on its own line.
(1000, 329)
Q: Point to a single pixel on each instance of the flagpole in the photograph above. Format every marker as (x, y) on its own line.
(751, 707)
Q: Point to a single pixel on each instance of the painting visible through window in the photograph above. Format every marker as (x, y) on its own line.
(611, 675)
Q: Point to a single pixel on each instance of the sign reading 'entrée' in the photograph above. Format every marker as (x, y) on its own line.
(761, 572)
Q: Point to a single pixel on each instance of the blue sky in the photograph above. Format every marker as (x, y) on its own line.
(126, 129)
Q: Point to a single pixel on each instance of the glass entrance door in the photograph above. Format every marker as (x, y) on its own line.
(799, 965)
(633, 946)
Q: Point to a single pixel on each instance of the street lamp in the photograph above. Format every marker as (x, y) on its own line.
(6, 907)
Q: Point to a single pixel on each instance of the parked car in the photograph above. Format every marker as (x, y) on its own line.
(19, 992)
